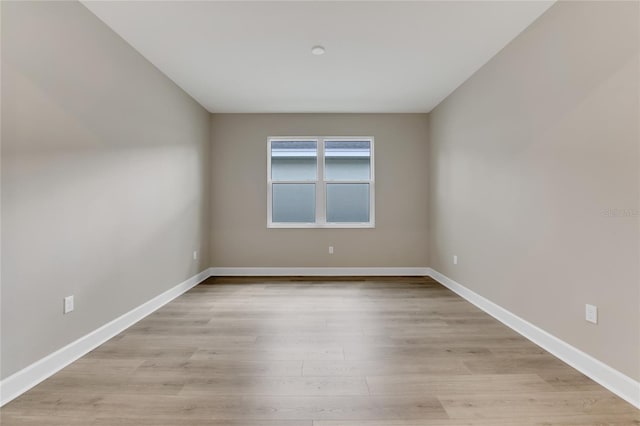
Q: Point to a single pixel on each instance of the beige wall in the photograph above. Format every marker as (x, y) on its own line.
(103, 178)
(239, 235)
(527, 158)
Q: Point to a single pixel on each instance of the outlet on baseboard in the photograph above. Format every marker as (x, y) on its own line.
(455, 259)
(68, 305)
(591, 313)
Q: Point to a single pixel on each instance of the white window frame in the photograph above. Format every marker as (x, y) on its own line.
(321, 184)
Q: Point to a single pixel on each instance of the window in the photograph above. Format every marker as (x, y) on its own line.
(320, 182)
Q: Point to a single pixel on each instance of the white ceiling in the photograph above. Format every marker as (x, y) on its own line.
(388, 56)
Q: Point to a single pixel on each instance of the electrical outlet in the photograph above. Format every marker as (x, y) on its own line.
(68, 304)
(591, 313)
(195, 255)
(330, 249)
(455, 259)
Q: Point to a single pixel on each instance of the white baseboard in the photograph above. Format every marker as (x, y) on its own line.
(23, 380)
(620, 384)
(320, 271)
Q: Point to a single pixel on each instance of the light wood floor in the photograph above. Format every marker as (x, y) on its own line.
(256, 352)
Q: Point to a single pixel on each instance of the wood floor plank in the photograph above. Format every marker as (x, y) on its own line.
(378, 351)
(574, 420)
(328, 353)
(252, 408)
(284, 386)
(444, 366)
(39, 420)
(190, 421)
(456, 384)
(568, 380)
(513, 405)
(514, 364)
(205, 369)
(404, 353)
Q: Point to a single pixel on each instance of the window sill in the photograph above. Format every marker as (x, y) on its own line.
(321, 225)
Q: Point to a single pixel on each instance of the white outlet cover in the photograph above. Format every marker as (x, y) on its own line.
(195, 255)
(455, 260)
(330, 249)
(591, 313)
(68, 304)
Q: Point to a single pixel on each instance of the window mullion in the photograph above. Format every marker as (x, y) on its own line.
(320, 189)
(269, 188)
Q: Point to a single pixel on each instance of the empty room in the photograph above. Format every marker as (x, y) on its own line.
(320, 213)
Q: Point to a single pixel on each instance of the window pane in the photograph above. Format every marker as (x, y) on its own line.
(347, 202)
(294, 160)
(347, 160)
(293, 202)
